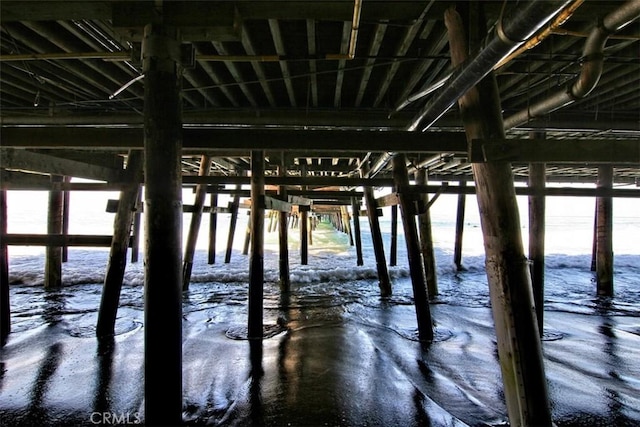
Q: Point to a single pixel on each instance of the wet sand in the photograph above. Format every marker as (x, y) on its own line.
(333, 355)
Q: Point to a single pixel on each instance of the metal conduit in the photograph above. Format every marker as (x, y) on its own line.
(510, 35)
(593, 55)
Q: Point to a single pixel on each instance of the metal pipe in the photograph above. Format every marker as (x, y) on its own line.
(560, 19)
(593, 55)
(510, 35)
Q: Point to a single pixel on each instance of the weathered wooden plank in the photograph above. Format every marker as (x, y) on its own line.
(43, 163)
(619, 152)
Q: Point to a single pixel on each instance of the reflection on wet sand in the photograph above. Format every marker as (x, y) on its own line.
(331, 355)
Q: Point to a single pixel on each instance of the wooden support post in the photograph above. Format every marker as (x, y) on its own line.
(119, 244)
(247, 235)
(347, 223)
(163, 231)
(537, 182)
(304, 223)
(5, 306)
(256, 261)
(426, 240)
(310, 227)
(283, 236)
(393, 249)
(135, 231)
(196, 218)
(355, 214)
(604, 246)
(213, 228)
(407, 208)
(53, 262)
(376, 238)
(65, 217)
(232, 225)
(518, 340)
(594, 246)
(457, 251)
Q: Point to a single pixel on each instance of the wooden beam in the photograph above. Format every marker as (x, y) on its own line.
(83, 240)
(43, 163)
(604, 151)
(277, 204)
(84, 138)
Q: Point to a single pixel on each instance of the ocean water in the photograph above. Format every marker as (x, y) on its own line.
(335, 352)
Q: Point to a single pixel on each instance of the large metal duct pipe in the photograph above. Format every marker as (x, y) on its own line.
(593, 57)
(511, 33)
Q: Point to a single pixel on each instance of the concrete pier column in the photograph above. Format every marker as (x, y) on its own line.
(604, 233)
(196, 218)
(407, 210)
(518, 340)
(256, 257)
(457, 250)
(53, 261)
(163, 231)
(5, 306)
(537, 182)
(119, 244)
(376, 237)
(426, 240)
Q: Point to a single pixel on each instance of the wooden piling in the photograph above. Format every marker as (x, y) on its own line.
(213, 228)
(376, 237)
(5, 306)
(119, 243)
(537, 182)
(426, 239)
(66, 202)
(135, 231)
(283, 235)
(393, 249)
(233, 208)
(256, 261)
(163, 231)
(604, 245)
(304, 224)
(53, 262)
(518, 341)
(247, 235)
(355, 214)
(347, 224)
(196, 218)
(408, 212)
(457, 250)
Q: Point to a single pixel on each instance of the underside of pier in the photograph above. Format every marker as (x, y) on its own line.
(307, 106)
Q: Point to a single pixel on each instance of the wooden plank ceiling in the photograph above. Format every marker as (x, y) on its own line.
(303, 65)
